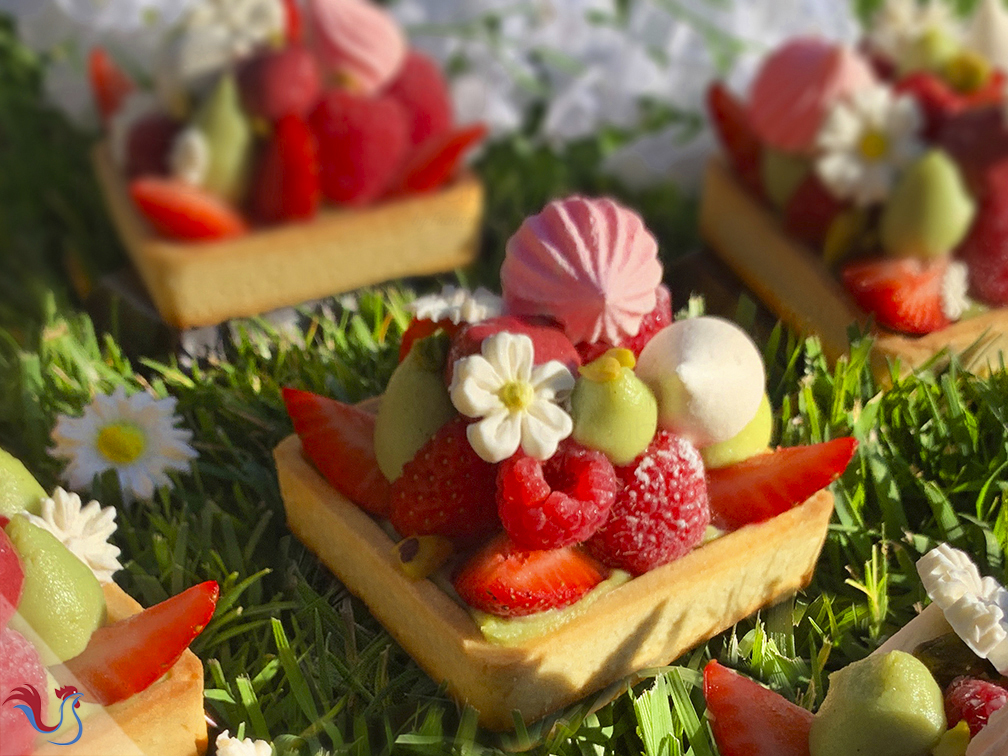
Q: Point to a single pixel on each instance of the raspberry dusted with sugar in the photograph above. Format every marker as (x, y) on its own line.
(973, 700)
(662, 511)
(546, 505)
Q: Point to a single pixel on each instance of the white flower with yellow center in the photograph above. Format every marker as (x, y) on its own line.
(865, 141)
(457, 305)
(133, 435)
(900, 29)
(228, 746)
(518, 401)
(84, 530)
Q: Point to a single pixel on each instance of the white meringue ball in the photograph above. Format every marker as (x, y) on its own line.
(707, 376)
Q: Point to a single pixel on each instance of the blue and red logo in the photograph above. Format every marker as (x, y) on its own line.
(31, 706)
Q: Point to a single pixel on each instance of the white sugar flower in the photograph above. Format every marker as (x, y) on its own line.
(190, 156)
(84, 530)
(458, 305)
(955, 290)
(864, 142)
(901, 26)
(133, 435)
(975, 607)
(519, 402)
(228, 746)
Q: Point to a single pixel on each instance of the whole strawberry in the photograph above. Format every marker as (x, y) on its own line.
(446, 489)
(662, 511)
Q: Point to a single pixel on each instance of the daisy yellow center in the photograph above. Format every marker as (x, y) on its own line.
(121, 443)
(874, 145)
(516, 395)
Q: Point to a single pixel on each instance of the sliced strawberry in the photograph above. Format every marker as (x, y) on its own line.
(421, 328)
(435, 161)
(11, 579)
(748, 719)
(508, 581)
(766, 485)
(811, 210)
(736, 135)
(446, 489)
(178, 210)
(903, 294)
(294, 23)
(339, 439)
(127, 656)
(287, 183)
(109, 83)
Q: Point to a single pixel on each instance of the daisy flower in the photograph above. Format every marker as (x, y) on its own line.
(84, 530)
(899, 27)
(518, 402)
(133, 435)
(864, 142)
(228, 746)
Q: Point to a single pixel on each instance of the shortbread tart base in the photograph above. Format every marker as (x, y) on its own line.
(202, 284)
(794, 282)
(646, 622)
(166, 719)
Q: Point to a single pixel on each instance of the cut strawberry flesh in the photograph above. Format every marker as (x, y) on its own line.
(11, 579)
(767, 485)
(178, 210)
(435, 161)
(339, 439)
(731, 124)
(902, 294)
(748, 719)
(127, 656)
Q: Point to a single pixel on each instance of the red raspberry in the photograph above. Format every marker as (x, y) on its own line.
(662, 511)
(973, 700)
(654, 321)
(421, 89)
(446, 489)
(148, 145)
(985, 249)
(558, 502)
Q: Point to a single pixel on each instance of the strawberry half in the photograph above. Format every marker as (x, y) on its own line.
(287, 184)
(109, 83)
(766, 485)
(435, 161)
(748, 719)
(903, 294)
(736, 135)
(339, 439)
(508, 581)
(446, 489)
(178, 210)
(127, 656)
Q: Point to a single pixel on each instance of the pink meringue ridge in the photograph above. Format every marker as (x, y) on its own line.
(356, 40)
(796, 87)
(588, 263)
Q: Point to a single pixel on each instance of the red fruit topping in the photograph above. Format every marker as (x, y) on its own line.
(422, 90)
(662, 511)
(748, 719)
(435, 162)
(939, 101)
(178, 210)
(559, 502)
(659, 318)
(985, 249)
(977, 139)
(736, 134)
(294, 22)
(127, 656)
(508, 581)
(421, 329)
(339, 440)
(973, 700)
(549, 342)
(149, 144)
(362, 142)
(109, 83)
(904, 294)
(277, 83)
(811, 210)
(286, 186)
(446, 489)
(21, 670)
(766, 485)
(11, 579)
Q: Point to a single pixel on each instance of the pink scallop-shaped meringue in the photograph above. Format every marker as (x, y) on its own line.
(797, 85)
(357, 41)
(589, 263)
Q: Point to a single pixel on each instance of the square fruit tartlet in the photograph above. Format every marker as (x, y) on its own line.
(84, 670)
(937, 686)
(561, 486)
(870, 185)
(285, 153)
